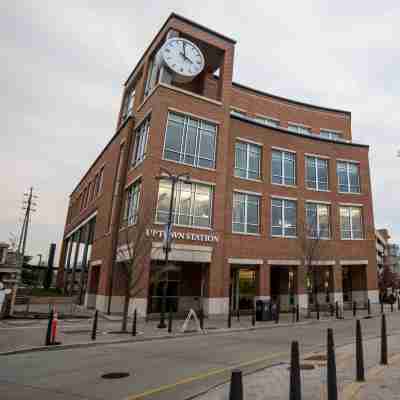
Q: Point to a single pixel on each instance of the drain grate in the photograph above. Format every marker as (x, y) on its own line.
(115, 375)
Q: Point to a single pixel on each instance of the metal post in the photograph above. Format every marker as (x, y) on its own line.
(174, 179)
(294, 314)
(391, 306)
(381, 306)
(297, 313)
(253, 317)
(295, 381)
(369, 307)
(170, 321)
(354, 308)
(238, 315)
(201, 318)
(384, 344)
(48, 332)
(94, 326)
(277, 314)
(331, 367)
(236, 387)
(360, 376)
(229, 318)
(317, 307)
(134, 321)
(337, 309)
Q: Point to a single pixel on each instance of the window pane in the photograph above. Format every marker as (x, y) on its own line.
(252, 214)
(311, 173)
(206, 151)
(173, 138)
(311, 220)
(289, 172)
(202, 208)
(322, 166)
(277, 167)
(323, 218)
(356, 223)
(354, 178)
(290, 218)
(276, 217)
(240, 159)
(342, 177)
(190, 149)
(345, 226)
(254, 161)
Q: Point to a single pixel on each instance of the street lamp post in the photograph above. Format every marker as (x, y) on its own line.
(167, 233)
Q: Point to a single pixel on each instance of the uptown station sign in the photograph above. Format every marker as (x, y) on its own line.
(196, 237)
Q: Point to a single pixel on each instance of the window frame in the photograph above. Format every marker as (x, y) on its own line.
(139, 147)
(283, 202)
(177, 204)
(348, 163)
(300, 126)
(246, 223)
(248, 145)
(201, 131)
(284, 175)
(351, 208)
(317, 205)
(268, 121)
(316, 158)
(132, 192)
(330, 133)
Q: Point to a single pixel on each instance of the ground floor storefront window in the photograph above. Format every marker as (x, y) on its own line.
(243, 288)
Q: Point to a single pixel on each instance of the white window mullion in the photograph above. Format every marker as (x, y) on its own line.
(245, 212)
(316, 172)
(247, 160)
(283, 167)
(283, 218)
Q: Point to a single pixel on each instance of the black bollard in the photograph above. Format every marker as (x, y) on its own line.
(236, 387)
(317, 307)
(381, 307)
(253, 317)
(277, 314)
(384, 344)
(331, 367)
(238, 315)
(332, 309)
(48, 332)
(170, 321)
(94, 326)
(391, 306)
(337, 309)
(201, 318)
(297, 313)
(354, 308)
(360, 376)
(293, 314)
(295, 382)
(229, 319)
(134, 321)
(369, 307)
(398, 303)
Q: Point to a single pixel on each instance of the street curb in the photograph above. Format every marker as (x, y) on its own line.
(163, 337)
(149, 338)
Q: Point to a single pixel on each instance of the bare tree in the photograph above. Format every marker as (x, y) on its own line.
(132, 258)
(312, 245)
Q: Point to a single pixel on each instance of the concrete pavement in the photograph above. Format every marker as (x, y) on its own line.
(165, 370)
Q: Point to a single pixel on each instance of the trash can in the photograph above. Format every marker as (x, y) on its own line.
(263, 310)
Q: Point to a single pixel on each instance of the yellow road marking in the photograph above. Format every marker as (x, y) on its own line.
(202, 376)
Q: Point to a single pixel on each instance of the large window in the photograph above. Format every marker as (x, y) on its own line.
(132, 203)
(317, 220)
(333, 135)
(283, 167)
(139, 147)
(192, 204)
(317, 173)
(348, 177)
(284, 218)
(190, 141)
(351, 226)
(127, 106)
(305, 130)
(247, 160)
(267, 121)
(246, 213)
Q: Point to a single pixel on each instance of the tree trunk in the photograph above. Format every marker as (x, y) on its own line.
(125, 311)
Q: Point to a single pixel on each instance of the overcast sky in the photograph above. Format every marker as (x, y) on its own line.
(63, 64)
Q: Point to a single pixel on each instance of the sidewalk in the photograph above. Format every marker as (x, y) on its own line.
(20, 335)
(382, 382)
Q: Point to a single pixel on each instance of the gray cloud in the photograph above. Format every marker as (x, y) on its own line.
(63, 66)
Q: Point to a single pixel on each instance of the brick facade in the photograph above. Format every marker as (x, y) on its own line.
(211, 98)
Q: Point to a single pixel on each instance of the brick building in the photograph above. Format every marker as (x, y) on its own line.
(277, 203)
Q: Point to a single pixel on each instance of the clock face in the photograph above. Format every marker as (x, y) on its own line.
(183, 57)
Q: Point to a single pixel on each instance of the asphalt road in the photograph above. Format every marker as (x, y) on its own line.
(168, 369)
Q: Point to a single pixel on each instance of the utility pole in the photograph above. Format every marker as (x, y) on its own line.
(28, 207)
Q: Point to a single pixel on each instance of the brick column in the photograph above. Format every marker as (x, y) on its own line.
(302, 295)
(264, 282)
(337, 283)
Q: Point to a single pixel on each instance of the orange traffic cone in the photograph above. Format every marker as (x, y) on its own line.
(54, 328)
